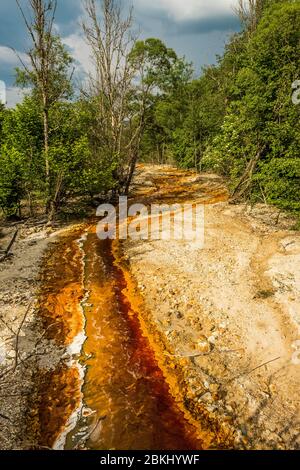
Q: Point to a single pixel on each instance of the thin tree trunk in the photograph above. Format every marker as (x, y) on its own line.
(46, 151)
(54, 202)
(131, 173)
(246, 179)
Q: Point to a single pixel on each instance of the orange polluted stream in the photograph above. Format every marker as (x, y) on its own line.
(128, 399)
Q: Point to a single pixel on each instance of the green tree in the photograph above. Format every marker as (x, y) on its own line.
(165, 77)
(258, 146)
(48, 74)
(20, 149)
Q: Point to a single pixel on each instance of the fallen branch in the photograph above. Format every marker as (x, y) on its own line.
(35, 446)
(7, 251)
(39, 340)
(288, 244)
(247, 372)
(18, 335)
(8, 327)
(34, 353)
(191, 356)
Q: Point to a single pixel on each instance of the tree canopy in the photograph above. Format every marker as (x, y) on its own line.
(239, 118)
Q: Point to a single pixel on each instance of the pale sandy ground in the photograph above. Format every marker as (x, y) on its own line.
(236, 302)
(21, 332)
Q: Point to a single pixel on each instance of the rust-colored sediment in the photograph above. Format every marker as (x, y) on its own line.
(57, 397)
(62, 289)
(58, 392)
(211, 432)
(132, 401)
(133, 388)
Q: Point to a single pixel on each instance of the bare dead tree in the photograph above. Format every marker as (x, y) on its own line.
(249, 13)
(120, 107)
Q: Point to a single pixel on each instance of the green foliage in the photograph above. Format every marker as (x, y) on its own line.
(167, 77)
(237, 119)
(202, 120)
(161, 66)
(11, 180)
(21, 168)
(80, 159)
(74, 169)
(261, 116)
(279, 180)
(240, 120)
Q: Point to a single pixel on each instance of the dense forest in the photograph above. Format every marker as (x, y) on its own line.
(143, 103)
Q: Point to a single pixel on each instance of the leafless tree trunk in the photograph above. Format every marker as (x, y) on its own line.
(119, 122)
(249, 13)
(245, 181)
(54, 203)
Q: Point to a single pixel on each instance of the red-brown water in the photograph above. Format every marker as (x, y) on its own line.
(124, 386)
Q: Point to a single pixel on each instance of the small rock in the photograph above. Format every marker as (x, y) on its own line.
(11, 354)
(2, 353)
(229, 409)
(212, 338)
(206, 384)
(203, 345)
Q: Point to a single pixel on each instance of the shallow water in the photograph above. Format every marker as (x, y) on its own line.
(124, 388)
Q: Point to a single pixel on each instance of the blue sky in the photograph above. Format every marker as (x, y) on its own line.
(197, 29)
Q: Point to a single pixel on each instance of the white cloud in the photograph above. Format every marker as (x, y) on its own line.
(80, 51)
(15, 95)
(184, 10)
(178, 10)
(9, 57)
